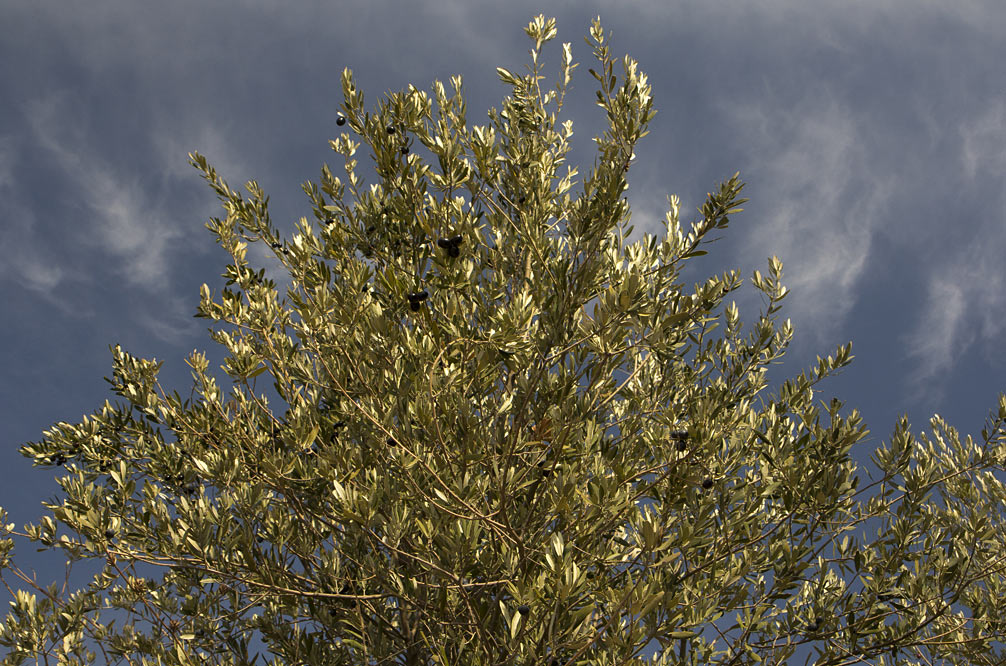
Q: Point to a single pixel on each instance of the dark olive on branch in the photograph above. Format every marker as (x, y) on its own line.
(416, 299)
(341, 120)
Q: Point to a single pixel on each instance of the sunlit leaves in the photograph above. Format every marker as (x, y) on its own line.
(555, 452)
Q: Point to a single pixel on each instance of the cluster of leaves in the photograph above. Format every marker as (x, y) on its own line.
(458, 473)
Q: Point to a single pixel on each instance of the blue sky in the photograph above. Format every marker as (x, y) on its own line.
(872, 136)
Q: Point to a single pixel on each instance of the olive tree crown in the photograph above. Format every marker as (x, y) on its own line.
(471, 464)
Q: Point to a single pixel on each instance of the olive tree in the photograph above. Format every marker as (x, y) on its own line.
(502, 434)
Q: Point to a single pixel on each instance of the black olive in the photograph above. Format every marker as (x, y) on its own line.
(679, 434)
(329, 220)
(277, 245)
(681, 445)
(815, 625)
(371, 228)
(109, 534)
(405, 150)
(456, 240)
(391, 130)
(341, 120)
(453, 251)
(523, 609)
(443, 243)
(392, 442)
(707, 484)
(521, 201)
(419, 297)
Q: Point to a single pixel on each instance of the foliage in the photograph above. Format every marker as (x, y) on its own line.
(468, 467)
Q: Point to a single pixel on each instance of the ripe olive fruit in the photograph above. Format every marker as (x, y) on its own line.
(416, 299)
(405, 150)
(453, 251)
(109, 534)
(277, 245)
(392, 442)
(391, 130)
(707, 483)
(341, 120)
(523, 609)
(815, 625)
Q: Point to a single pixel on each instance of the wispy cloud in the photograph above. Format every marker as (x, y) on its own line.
(137, 240)
(966, 290)
(983, 141)
(24, 261)
(809, 158)
(124, 224)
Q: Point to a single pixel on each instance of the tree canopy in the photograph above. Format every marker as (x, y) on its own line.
(503, 435)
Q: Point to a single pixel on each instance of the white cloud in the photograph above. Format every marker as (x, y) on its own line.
(983, 141)
(965, 284)
(820, 214)
(124, 225)
(24, 261)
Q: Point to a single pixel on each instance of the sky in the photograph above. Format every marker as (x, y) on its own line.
(871, 136)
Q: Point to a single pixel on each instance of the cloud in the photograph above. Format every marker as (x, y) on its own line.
(123, 228)
(964, 307)
(965, 283)
(25, 262)
(809, 158)
(124, 223)
(983, 141)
